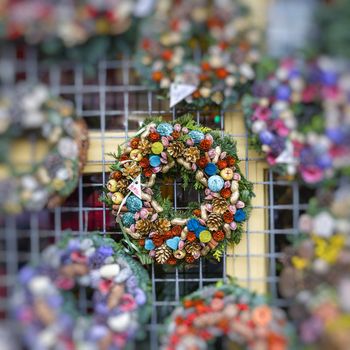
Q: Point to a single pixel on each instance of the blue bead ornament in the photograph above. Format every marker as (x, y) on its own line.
(266, 137)
(154, 161)
(164, 129)
(149, 245)
(128, 219)
(283, 92)
(134, 204)
(192, 224)
(216, 183)
(210, 169)
(196, 136)
(240, 215)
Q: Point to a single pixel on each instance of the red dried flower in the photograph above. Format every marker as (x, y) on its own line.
(134, 142)
(230, 161)
(219, 294)
(167, 55)
(157, 76)
(191, 237)
(154, 136)
(205, 145)
(197, 212)
(221, 164)
(123, 157)
(176, 230)
(189, 259)
(116, 175)
(202, 162)
(141, 242)
(172, 261)
(168, 235)
(228, 217)
(158, 240)
(144, 162)
(221, 73)
(219, 236)
(205, 66)
(225, 193)
(175, 134)
(148, 172)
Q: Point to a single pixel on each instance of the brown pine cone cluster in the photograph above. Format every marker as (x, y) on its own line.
(176, 149)
(220, 205)
(191, 154)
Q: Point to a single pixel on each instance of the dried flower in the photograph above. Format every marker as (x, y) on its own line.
(205, 145)
(134, 142)
(176, 230)
(222, 164)
(154, 136)
(219, 236)
(148, 172)
(191, 154)
(175, 134)
(197, 212)
(189, 259)
(230, 161)
(202, 162)
(228, 217)
(225, 193)
(191, 237)
(144, 163)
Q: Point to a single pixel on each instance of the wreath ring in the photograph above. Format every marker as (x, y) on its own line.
(31, 113)
(203, 158)
(45, 298)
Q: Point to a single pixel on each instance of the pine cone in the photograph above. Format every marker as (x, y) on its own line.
(220, 205)
(144, 147)
(122, 186)
(131, 169)
(191, 154)
(193, 248)
(214, 221)
(143, 226)
(162, 225)
(163, 253)
(176, 149)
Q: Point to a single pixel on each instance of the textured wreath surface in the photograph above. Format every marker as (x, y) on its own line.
(202, 158)
(117, 287)
(30, 113)
(227, 310)
(316, 272)
(212, 48)
(298, 114)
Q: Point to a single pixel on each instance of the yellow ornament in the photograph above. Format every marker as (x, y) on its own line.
(157, 148)
(58, 184)
(112, 185)
(299, 263)
(205, 236)
(226, 174)
(117, 198)
(135, 154)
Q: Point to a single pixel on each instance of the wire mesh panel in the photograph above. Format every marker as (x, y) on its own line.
(113, 103)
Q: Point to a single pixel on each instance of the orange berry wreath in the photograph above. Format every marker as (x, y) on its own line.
(152, 228)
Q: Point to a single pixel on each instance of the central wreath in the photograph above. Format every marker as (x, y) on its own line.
(204, 159)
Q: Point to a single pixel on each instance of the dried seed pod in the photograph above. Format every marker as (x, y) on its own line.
(185, 164)
(135, 235)
(151, 181)
(168, 166)
(217, 154)
(234, 186)
(179, 254)
(146, 197)
(234, 197)
(178, 221)
(201, 178)
(156, 206)
(227, 231)
(204, 214)
(184, 233)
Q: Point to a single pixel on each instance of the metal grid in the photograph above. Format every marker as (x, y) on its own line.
(111, 99)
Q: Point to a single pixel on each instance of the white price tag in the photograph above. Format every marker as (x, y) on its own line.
(179, 92)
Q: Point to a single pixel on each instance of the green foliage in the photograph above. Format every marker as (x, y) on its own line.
(188, 122)
(219, 252)
(198, 186)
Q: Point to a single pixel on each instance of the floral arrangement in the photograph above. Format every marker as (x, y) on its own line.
(227, 311)
(317, 269)
(205, 160)
(211, 48)
(298, 115)
(45, 300)
(31, 113)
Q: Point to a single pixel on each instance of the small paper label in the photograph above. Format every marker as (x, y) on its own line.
(143, 8)
(179, 92)
(135, 187)
(287, 156)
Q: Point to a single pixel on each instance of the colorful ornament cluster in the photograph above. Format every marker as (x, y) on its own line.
(71, 22)
(209, 49)
(229, 313)
(316, 272)
(299, 115)
(202, 157)
(45, 301)
(30, 112)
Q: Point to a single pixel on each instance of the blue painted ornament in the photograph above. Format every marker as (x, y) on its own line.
(210, 169)
(336, 135)
(240, 215)
(324, 161)
(199, 229)
(154, 161)
(216, 183)
(196, 136)
(266, 137)
(149, 245)
(173, 243)
(329, 77)
(192, 224)
(128, 219)
(134, 204)
(164, 129)
(283, 92)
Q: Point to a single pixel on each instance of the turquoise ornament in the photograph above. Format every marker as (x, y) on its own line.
(154, 161)
(196, 136)
(173, 243)
(216, 183)
(134, 204)
(165, 129)
(149, 245)
(210, 169)
(128, 219)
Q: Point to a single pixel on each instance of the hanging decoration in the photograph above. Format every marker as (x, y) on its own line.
(205, 161)
(198, 53)
(111, 310)
(30, 113)
(228, 313)
(316, 273)
(298, 115)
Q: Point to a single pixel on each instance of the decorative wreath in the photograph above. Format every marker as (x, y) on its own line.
(316, 273)
(205, 160)
(226, 311)
(298, 115)
(115, 285)
(206, 53)
(31, 113)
